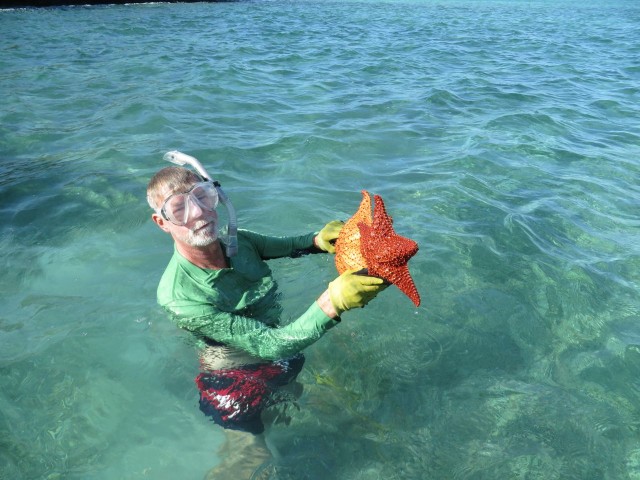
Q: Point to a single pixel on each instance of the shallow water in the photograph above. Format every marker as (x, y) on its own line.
(504, 138)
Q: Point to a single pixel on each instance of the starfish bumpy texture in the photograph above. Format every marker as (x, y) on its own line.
(373, 244)
(348, 255)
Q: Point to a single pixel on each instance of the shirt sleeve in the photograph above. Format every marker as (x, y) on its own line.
(277, 247)
(253, 336)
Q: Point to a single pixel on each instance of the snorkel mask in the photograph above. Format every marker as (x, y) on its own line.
(231, 238)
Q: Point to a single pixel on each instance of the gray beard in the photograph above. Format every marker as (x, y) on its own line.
(203, 237)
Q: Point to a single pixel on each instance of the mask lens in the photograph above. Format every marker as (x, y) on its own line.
(176, 208)
(206, 195)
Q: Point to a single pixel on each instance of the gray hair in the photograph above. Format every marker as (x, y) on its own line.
(168, 181)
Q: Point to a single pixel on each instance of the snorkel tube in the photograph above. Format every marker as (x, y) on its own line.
(182, 159)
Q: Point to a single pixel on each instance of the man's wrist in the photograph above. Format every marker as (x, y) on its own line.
(325, 304)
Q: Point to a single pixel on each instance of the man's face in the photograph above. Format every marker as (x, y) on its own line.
(200, 223)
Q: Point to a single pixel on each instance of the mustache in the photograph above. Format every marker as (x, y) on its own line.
(201, 223)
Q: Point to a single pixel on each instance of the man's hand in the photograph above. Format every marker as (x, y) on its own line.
(326, 239)
(353, 290)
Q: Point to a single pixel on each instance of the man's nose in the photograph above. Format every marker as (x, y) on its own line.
(195, 211)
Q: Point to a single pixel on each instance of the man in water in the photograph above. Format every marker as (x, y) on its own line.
(230, 304)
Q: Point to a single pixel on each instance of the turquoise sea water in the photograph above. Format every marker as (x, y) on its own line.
(504, 137)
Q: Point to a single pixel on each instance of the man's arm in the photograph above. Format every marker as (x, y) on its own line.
(269, 247)
(275, 247)
(349, 290)
(256, 338)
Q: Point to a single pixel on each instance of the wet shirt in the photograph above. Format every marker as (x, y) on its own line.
(237, 306)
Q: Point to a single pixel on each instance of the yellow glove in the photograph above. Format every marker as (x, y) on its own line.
(327, 237)
(351, 290)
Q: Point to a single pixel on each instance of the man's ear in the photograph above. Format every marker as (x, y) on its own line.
(160, 221)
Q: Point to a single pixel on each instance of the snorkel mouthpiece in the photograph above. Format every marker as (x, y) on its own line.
(231, 239)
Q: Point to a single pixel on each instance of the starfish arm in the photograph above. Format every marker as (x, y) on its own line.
(348, 255)
(382, 222)
(401, 278)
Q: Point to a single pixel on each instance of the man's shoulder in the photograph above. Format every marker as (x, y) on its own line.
(249, 235)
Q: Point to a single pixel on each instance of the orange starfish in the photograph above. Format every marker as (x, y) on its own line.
(348, 255)
(373, 244)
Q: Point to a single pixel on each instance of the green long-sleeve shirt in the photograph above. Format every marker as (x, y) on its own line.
(237, 306)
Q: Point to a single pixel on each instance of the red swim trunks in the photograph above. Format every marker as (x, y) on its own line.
(235, 398)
